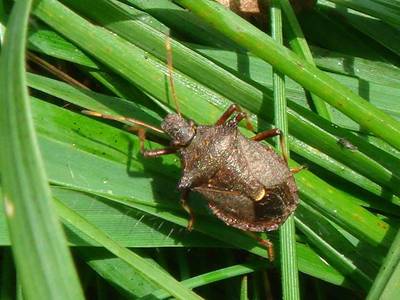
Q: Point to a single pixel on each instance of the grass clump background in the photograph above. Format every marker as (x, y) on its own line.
(338, 70)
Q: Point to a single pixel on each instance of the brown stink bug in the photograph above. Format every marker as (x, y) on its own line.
(247, 185)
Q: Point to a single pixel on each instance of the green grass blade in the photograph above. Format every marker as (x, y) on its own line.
(148, 271)
(387, 282)
(214, 276)
(381, 32)
(299, 45)
(335, 248)
(174, 16)
(357, 66)
(43, 262)
(116, 271)
(288, 257)
(386, 13)
(304, 73)
(308, 261)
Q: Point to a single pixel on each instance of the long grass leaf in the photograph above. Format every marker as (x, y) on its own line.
(290, 277)
(43, 262)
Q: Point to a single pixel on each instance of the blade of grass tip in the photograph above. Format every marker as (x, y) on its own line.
(290, 276)
(299, 45)
(387, 283)
(287, 62)
(41, 255)
(213, 276)
(146, 269)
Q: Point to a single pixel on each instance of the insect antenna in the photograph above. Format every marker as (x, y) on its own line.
(126, 120)
(170, 73)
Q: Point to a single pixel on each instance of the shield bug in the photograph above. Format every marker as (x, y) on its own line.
(247, 185)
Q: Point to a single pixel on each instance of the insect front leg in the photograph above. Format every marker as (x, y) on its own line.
(151, 153)
(229, 112)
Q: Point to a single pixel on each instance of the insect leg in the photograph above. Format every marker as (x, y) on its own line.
(266, 243)
(186, 207)
(266, 134)
(225, 116)
(270, 248)
(151, 153)
(298, 169)
(232, 109)
(271, 133)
